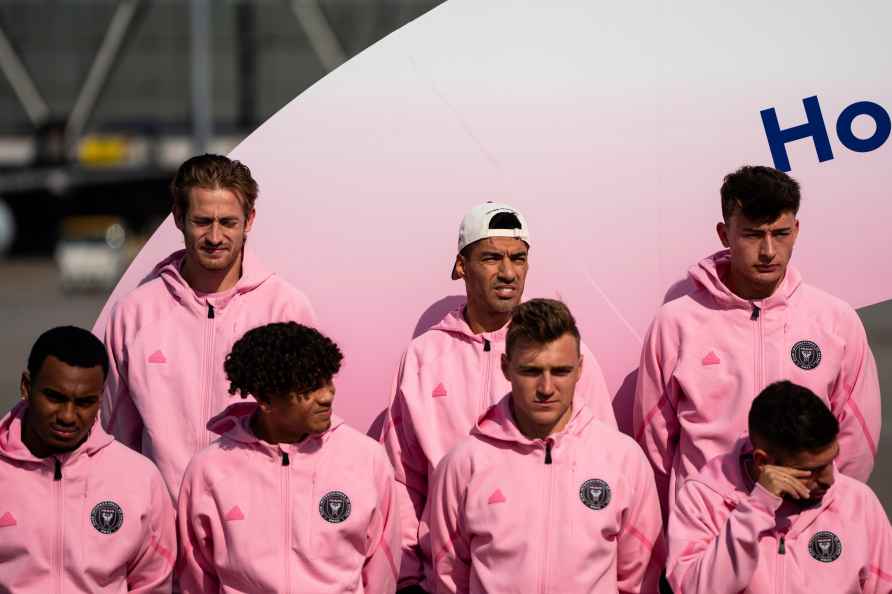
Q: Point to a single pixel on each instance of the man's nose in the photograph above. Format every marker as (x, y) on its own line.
(216, 233)
(66, 414)
(767, 248)
(506, 270)
(546, 385)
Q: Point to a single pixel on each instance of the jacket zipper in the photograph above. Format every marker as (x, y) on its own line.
(60, 530)
(543, 576)
(487, 379)
(779, 574)
(286, 525)
(204, 436)
(756, 317)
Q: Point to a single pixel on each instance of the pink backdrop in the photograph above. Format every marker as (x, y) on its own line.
(609, 126)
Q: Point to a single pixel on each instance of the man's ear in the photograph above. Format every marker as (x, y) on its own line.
(249, 221)
(505, 364)
(761, 458)
(721, 229)
(25, 386)
(459, 267)
(178, 216)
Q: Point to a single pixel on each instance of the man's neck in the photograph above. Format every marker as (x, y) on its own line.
(261, 430)
(531, 431)
(483, 321)
(210, 281)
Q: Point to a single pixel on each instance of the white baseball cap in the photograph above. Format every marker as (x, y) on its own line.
(476, 226)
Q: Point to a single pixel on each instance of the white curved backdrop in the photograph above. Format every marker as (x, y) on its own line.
(609, 126)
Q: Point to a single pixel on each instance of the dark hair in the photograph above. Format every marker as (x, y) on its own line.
(212, 172)
(71, 345)
(500, 220)
(762, 194)
(540, 321)
(279, 358)
(791, 419)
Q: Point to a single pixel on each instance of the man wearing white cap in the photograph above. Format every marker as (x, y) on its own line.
(450, 375)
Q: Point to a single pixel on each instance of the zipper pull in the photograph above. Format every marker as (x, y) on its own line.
(286, 461)
(486, 345)
(210, 311)
(781, 546)
(756, 311)
(57, 470)
(548, 452)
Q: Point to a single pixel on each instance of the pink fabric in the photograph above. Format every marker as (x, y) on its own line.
(445, 381)
(52, 544)
(166, 378)
(724, 537)
(705, 359)
(542, 536)
(250, 523)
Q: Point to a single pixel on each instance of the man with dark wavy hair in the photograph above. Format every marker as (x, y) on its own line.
(288, 498)
(750, 320)
(167, 339)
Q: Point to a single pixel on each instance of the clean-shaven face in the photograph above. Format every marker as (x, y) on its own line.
(760, 252)
(543, 379)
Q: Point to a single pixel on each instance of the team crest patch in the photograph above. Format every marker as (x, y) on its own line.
(334, 507)
(595, 494)
(825, 547)
(107, 517)
(806, 354)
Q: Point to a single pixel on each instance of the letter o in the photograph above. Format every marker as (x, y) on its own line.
(863, 145)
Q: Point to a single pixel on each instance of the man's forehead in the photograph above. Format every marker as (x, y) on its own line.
(558, 353)
(501, 245)
(785, 220)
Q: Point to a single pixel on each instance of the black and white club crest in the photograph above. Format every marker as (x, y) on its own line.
(107, 517)
(806, 354)
(825, 546)
(595, 494)
(334, 507)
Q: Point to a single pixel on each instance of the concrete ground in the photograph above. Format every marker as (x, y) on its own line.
(31, 301)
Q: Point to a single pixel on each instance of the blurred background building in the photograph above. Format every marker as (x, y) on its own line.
(100, 101)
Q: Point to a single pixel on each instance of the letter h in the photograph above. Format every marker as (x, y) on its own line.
(814, 127)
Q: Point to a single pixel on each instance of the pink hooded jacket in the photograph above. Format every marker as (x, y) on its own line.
(167, 345)
(309, 518)
(728, 537)
(708, 354)
(98, 519)
(576, 512)
(447, 379)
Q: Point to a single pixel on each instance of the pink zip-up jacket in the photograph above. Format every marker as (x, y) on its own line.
(577, 512)
(309, 518)
(97, 519)
(167, 345)
(446, 380)
(727, 536)
(708, 354)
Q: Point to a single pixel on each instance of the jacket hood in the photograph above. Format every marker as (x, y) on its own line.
(254, 274)
(13, 448)
(725, 476)
(708, 274)
(234, 424)
(454, 323)
(497, 423)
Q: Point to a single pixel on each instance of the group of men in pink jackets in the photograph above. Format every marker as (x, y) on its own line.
(500, 467)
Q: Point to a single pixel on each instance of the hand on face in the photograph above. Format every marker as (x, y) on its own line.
(786, 482)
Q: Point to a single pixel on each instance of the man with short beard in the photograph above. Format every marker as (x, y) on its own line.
(449, 375)
(773, 515)
(168, 338)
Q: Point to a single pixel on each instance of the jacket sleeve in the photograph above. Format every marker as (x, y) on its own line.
(151, 570)
(710, 553)
(381, 568)
(195, 566)
(855, 402)
(410, 467)
(298, 309)
(640, 548)
(877, 576)
(119, 414)
(593, 386)
(443, 524)
(655, 419)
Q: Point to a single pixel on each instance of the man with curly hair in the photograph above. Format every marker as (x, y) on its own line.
(448, 376)
(748, 320)
(167, 339)
(288, 498)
